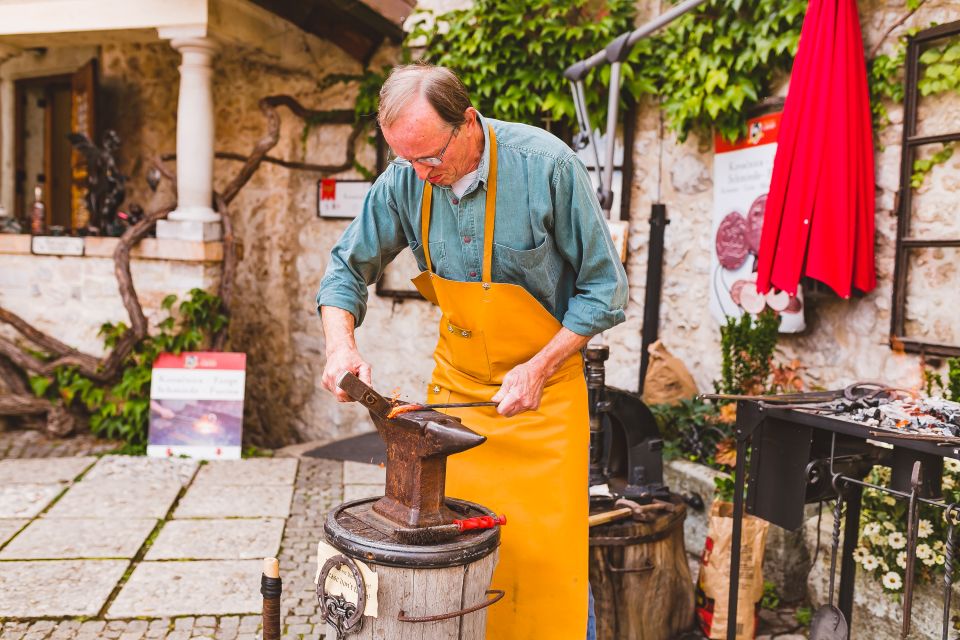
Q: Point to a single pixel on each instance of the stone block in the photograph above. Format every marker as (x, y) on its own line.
(57, 588)
(26, 500)
(188, 230)
(147, 498)
(253, 471)
(15, 243)
(48, 538)
(360, 473)
(231, 539)
(42, 470)
(138, 468)
(9, 528)
(229, 501)
(159, 249)
(211, 587)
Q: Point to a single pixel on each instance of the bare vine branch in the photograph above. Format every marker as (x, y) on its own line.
(886, 34)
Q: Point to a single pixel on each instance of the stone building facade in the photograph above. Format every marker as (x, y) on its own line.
(286, 245)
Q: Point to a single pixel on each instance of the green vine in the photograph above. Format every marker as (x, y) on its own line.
(923, 166)
(122, 410)
(708, 69)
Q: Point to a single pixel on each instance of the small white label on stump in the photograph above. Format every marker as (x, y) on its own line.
(340, 580)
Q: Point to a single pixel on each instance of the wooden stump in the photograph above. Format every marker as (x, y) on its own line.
(640, 578)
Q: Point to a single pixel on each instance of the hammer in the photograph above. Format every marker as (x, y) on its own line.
(629, 508)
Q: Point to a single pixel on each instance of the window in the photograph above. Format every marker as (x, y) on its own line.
(47, 109)
(927, 269)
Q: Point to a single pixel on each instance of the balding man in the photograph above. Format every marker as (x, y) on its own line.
(506, 228)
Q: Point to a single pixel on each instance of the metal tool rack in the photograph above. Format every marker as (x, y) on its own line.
(811, 454)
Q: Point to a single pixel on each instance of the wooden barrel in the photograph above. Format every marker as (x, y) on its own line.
(640, 578)
(425, 591)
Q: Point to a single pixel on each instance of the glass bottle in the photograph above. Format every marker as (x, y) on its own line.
(38, 213)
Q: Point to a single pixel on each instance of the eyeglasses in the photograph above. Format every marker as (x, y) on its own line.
(433, 161)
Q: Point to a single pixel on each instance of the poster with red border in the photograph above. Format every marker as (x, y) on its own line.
(196, 405)
(741, 179)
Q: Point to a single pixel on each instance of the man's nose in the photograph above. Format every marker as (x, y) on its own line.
(422, 170)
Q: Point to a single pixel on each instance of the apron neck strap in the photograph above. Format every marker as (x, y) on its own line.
(490, 215)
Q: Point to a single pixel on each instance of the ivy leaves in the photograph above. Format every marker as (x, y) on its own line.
(706, 69)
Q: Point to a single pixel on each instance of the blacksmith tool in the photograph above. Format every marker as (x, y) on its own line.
(828, 622)
(444, 532)
(418, 444)
(951, 516)
(407, 407)
(913, 525)
(628, 508)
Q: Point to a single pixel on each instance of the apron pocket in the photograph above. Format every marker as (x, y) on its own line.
(468, 350)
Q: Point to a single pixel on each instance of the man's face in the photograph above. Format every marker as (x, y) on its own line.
(420, 133)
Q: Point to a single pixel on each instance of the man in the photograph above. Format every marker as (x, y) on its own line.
(506, 228)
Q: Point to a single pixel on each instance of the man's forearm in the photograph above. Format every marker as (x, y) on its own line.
(338, 325)
(564, 344)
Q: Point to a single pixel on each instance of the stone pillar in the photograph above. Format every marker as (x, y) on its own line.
(194, 218)
(7, 150)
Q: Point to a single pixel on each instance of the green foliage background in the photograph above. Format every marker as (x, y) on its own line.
(706, 69)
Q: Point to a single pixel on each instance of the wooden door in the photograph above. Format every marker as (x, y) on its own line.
(83, 120)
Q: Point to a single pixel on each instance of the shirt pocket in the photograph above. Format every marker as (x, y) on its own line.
(437, 255)
(537, 269)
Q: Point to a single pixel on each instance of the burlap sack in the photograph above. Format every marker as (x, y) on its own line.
(713, 586)
(667, 380)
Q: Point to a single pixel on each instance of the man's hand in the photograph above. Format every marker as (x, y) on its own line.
(339, 361)
(521, 390)
(342, 353)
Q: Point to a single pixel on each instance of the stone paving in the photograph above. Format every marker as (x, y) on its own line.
(122, 547)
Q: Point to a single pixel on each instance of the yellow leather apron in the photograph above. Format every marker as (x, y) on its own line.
(533, 466)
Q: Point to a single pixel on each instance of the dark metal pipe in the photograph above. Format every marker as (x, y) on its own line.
(652, 295)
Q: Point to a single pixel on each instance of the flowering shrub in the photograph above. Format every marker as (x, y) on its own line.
(883, 538)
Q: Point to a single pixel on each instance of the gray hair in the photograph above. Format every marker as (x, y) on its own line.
(442, 89)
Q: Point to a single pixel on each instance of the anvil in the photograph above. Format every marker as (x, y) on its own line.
(418, 443)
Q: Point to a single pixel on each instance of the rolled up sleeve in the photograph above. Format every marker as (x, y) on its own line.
(358, 259)
(583, 238)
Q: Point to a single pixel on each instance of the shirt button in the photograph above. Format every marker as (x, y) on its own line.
(473, 274)
(466, 239)
(455, 201)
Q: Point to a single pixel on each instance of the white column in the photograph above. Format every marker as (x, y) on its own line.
(194, 218)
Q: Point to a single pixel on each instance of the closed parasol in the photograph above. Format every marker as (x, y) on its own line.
(819, 218)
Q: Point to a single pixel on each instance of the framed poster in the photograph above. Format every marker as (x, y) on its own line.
(196, 405)
(341, 198)
(741, 180)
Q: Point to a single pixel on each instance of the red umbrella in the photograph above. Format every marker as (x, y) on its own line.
(819, 218)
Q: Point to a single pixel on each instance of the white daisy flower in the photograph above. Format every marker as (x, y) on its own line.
(871, 529)
(902, 559)
(897, 540)
(892, 581)
(951, 465)
(870, 563)
(930, 560)
(925, 528)
(941, 559)
(860, 553)
(949, 483)
(924, 551)
(879, 540)
(939, 545)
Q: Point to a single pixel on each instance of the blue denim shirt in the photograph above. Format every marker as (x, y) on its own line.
(550, 236)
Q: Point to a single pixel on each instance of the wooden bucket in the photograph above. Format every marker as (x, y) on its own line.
(425, 591)
(640, 578)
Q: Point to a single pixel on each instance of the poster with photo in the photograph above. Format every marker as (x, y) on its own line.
(196, 405)
(741, 180)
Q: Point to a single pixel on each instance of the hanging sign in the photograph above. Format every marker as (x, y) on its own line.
(741, 180)
(196, 405)
(341, 198)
